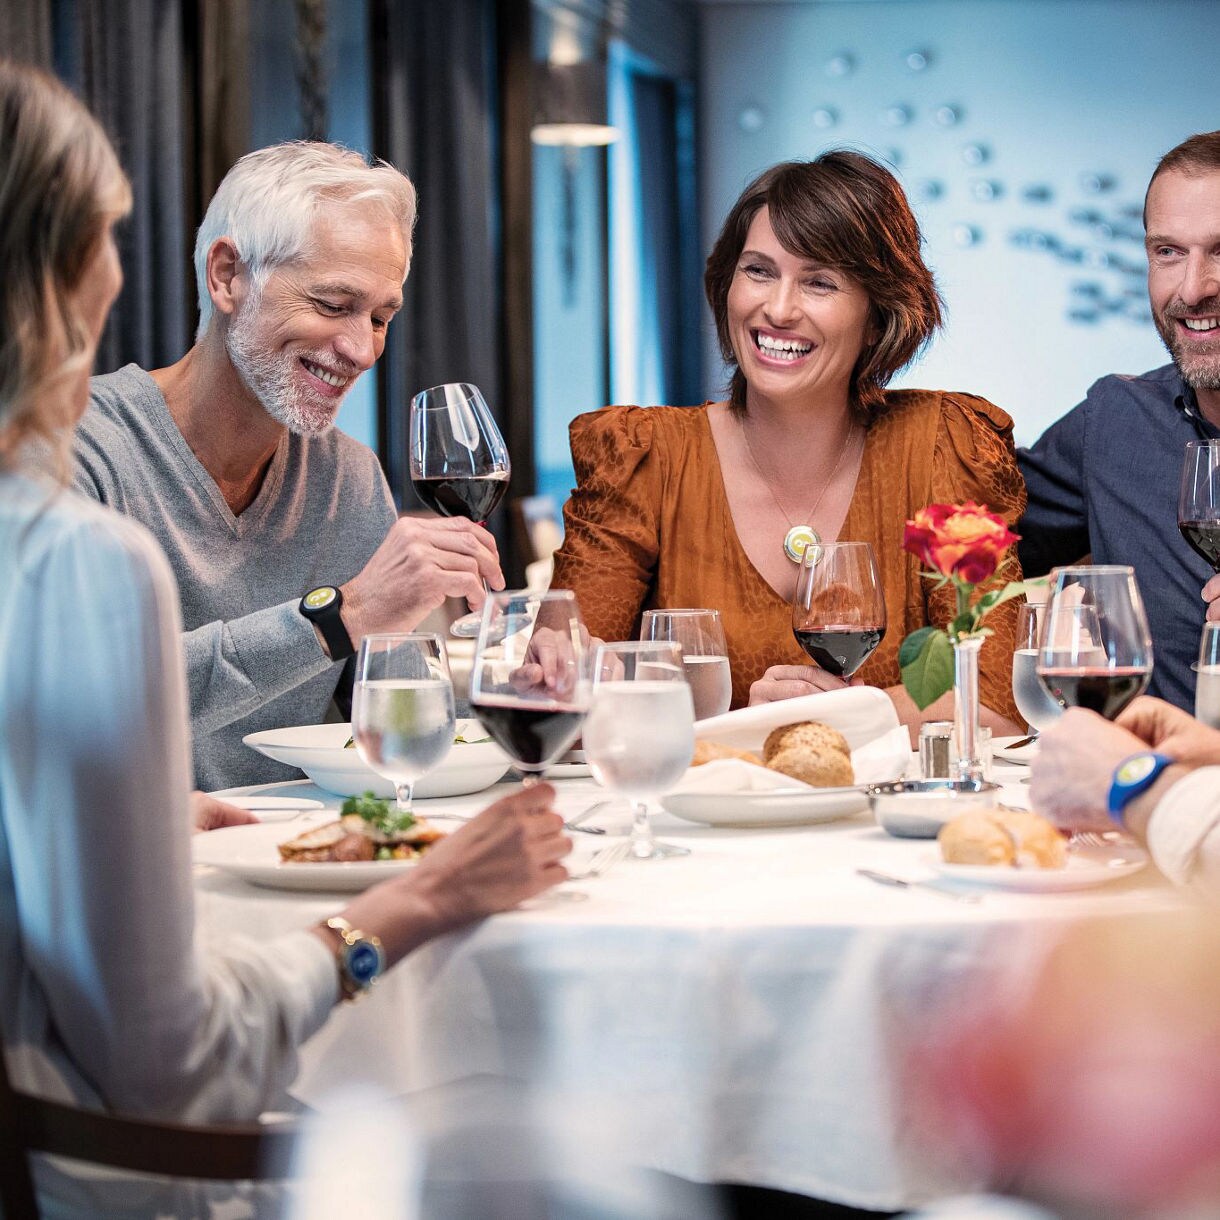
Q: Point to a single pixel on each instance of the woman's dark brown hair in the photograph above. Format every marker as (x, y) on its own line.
(846, 211)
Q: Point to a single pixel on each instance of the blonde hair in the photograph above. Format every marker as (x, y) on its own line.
(60, 185)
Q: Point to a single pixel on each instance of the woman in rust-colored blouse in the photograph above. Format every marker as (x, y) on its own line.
(820, 295)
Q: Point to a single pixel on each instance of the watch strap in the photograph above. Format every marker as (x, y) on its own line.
(323, 607)
(1133, 776)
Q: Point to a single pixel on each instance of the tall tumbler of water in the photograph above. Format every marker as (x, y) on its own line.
(705, 659)
(1207, 677)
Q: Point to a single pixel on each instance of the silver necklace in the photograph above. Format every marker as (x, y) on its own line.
(803, 535)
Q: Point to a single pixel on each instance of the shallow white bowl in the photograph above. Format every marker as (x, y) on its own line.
(918, 808)
(317, 749)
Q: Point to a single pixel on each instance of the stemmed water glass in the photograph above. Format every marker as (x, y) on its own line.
(1033, 700)
(1096, 650)
(529, 685)
(838, 616)
(402, 708)
(639, 736)
(458, 461)
(705, 659)
(1199, 500)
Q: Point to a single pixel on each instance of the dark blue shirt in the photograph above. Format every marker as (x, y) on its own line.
(1104, 481)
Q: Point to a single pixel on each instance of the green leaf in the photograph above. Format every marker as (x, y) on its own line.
(913, 645)
(927, 669)
(997, 597)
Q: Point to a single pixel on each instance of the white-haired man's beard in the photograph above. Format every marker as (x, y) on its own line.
(273, 379)
(1199, 363)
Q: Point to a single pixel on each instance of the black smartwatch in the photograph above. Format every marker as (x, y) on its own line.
(321, 606)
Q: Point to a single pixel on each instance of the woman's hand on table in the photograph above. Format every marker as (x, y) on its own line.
(208, 813)
(1071, 775)
(510, 852)
(792, 681)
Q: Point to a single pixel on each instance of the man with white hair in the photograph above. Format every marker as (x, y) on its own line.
(281, 530)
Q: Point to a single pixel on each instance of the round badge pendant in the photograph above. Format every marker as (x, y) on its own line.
(797, 539)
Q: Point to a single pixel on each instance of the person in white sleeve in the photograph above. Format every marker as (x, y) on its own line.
(1154, 772)
(104, 996)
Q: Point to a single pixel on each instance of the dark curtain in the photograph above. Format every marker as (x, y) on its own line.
(25, 31)
(167, 80)
(434, 108)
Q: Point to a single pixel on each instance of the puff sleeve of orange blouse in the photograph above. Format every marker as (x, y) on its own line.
(611, 522)
(974, 460)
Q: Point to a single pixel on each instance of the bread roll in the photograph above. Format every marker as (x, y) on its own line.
(1002, 836)
(812, 752)
(710, 751)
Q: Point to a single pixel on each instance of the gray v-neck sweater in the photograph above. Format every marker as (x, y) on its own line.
(252, 661)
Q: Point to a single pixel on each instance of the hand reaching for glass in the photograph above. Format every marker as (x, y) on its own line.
(791, 681)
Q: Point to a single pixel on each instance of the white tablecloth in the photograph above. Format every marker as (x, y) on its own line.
(741, 1010)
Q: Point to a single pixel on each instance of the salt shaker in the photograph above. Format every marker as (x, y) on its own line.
(936, 749)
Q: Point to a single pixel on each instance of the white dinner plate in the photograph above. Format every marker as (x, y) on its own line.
(318, 750)
(805, 807)
(1085, 868)
(1022, 754)
(252, 853)
(274, 808)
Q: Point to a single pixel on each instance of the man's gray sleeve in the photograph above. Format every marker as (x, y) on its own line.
(234, 668)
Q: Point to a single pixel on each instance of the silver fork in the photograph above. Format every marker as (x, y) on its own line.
(569, 825)
(604, 858)
(1092, 838)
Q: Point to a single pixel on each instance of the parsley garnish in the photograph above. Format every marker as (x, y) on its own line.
(377, 812)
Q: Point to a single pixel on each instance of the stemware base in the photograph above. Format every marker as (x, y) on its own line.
(466, 627)
(655, 850)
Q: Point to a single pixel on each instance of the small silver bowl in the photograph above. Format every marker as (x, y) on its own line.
(918, 808)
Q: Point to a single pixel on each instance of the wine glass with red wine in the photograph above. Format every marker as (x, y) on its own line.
(459, 462)
(838, 616)
(1096, 650)
(531, 682)
(1199, 500)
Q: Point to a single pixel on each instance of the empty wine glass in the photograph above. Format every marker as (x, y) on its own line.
(705, 659)
(458, 461)
(639, 736)
(529, 685)
(1096, 651)
(402, 708)
(838, 616)
(1199, 500)
(1033, 700)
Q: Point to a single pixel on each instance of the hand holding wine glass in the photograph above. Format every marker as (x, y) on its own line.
(705, 658)
(1096, 650)
(458, 460)
(402, 708)
(639, 736)
(839, 616)
(529, 685)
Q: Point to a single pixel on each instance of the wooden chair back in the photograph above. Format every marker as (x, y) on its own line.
(28, 1124)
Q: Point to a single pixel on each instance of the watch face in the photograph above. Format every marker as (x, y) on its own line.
(316, 599)
(1136, 768)
(364, 962)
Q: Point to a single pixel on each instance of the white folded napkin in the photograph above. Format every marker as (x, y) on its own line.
(876, 762)
(860, 713)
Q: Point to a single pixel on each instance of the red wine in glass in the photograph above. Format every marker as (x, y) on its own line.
(1204, 540)
(1199, 500)
(1104, 691)
(838, 616)
(474, 497)
(840, 650)
(533, 736)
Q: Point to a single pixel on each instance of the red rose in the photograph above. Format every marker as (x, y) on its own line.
(962, 540)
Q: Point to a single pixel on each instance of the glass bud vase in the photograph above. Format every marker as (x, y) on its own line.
(966, 707)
